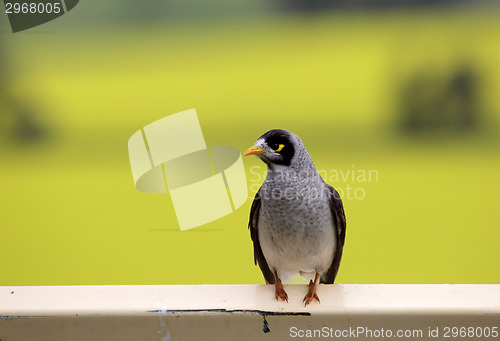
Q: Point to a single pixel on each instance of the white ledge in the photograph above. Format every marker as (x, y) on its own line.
(128, 312)
(335, 299)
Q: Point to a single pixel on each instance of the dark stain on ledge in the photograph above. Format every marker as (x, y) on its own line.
(266, 329)
(232, 311)
(13, 317)
(262, 313)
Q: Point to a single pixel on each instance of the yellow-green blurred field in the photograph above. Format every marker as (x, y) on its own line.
(70, 213)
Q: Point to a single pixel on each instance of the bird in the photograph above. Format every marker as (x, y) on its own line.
(297, 221)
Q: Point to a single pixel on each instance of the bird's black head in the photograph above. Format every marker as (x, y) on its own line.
(274, 147)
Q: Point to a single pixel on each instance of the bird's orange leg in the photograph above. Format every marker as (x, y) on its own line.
(311, 294)
(280, 292)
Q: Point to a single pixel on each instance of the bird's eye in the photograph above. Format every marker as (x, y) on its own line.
(277, 147)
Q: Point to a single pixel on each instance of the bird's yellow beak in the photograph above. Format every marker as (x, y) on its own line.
(254, 150)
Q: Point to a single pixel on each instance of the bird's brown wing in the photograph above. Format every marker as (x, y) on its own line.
(340, 228)
(253, 225)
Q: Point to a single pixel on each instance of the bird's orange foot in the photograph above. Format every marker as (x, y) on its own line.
(311, 294)
(280, 292)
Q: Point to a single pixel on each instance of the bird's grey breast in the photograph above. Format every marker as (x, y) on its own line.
(296, 225)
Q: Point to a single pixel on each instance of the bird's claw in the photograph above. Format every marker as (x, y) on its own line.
(281, 293)
(311, 294)
(309, 297)
(278, 287)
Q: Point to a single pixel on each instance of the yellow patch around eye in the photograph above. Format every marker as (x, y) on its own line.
(280, 147)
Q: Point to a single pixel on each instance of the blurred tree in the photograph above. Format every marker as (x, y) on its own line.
(18, 121)
(464, 96)
(317, 5)
(433, 103)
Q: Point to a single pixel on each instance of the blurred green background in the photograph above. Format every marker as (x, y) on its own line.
(410, 93)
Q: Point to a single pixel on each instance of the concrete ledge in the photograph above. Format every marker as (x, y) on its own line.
(246, 312)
